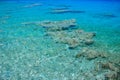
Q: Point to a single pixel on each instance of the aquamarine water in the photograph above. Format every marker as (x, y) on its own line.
(27, 54)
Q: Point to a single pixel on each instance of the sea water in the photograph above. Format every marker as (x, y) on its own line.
(27, 54)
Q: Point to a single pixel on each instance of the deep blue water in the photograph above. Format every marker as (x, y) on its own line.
(26, 54)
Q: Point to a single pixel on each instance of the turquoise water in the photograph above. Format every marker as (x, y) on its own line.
(27, 54)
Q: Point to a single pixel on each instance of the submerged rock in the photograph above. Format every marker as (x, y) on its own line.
(59, 11)
(73, 43)
(63, 5)
(105, 15)
(110, 66)
(109, 70)
(89, 54)
(58, 25)
(61, 32)
(73, 38)
(89, 41)
(32, 5)
(28, 23)
(60, 8)
(62, 11)
(109, 15)
(112, 75)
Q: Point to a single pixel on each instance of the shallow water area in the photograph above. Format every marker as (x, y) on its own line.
(80, 44)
